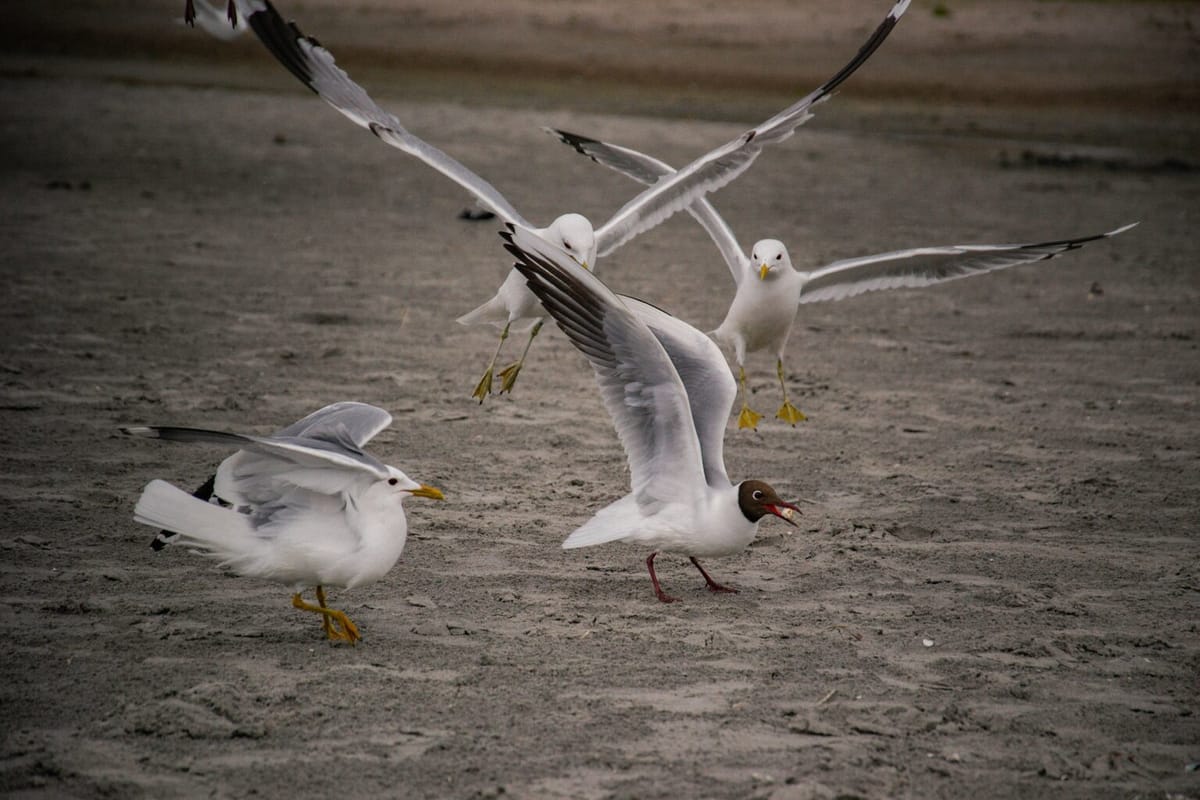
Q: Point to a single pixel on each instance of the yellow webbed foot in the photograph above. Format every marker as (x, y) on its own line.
(348, 630)
(748, 418)
(484, 387)
(790, 414)
(508, 377)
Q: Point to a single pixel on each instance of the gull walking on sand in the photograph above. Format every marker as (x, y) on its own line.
(669, 393)
(770, 290)
(304, 507)
(513, 305)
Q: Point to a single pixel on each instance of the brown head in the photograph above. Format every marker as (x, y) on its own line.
(757, 499)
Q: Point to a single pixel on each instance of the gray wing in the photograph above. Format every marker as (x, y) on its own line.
(315, 67)
(648, 170)
(715, 169)
(924, 266)
(640, 387)
(706, 377)
(361, 422)
(331, 450)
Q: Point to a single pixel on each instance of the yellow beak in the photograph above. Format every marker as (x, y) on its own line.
(762, 272)
(585, 265)
(428, 491)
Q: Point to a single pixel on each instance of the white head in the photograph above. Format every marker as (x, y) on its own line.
(769, 258)
(397, 487)
(573, 233)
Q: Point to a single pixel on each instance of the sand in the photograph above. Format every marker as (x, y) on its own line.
(993, 589)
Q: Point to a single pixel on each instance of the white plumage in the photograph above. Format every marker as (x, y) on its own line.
(303, 507)
(315, 67)
(770, 289)
(669, 393)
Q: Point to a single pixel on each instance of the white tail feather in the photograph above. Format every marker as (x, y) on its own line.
(612, 523)
(220, 532)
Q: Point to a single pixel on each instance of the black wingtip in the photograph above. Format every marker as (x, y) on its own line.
(189, 13)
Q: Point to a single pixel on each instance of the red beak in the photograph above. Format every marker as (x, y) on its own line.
(777, 511)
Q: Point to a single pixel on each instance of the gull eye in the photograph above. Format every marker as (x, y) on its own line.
(567, 245)
(758, 495)
(754, 256)
(779, 256)
(392, 481)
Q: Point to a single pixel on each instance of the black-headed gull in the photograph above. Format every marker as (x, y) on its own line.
(304, 507)
(770, 289)
(512, 304)
(669, 393)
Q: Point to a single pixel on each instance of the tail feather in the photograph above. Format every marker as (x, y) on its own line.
(492, 312)
(221, 532)
(616, 521)
(203, 492)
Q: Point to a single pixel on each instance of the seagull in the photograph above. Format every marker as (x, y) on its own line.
(770, 290)
(669, 392)
(303, 507)
(512, 305)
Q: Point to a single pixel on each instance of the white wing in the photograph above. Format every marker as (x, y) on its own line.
(640, 387)
(648, 170)
(706, 377)
(928, 265)
(315, 67)
(715, 169)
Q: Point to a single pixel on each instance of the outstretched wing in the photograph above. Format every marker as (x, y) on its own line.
(720, 166)
(923, 266)
(361, 422)
(315, 67)
(639, 384)
(331, 450)
(648, 170)
(706, 377)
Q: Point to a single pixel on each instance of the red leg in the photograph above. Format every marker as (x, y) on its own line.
(663, 596)
(713, 586)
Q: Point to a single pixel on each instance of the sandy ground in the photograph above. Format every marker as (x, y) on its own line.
(994, 589)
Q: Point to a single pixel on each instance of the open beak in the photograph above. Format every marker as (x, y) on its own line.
(785, 511)
(762, 272)
(427, 491)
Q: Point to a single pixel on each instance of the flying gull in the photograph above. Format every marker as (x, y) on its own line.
(770, 289)
(513, 305)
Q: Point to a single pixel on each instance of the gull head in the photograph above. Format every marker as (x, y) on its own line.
(768, 258)
(398, 486)
(574, 233)
(756, 499)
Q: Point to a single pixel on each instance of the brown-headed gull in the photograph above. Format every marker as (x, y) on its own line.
(512, 305)
(770, 290)
(669, 393)
(304, 507)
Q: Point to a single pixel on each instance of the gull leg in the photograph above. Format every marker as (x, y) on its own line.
(713, 586)
(787, 412)
(484, 387)
(349, 631)
(663, 596)
(748, 418)
(508, 375)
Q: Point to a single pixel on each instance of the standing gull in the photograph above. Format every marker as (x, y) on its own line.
(669, 393)
(770, 290)
(303, 507)
(513, 304)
